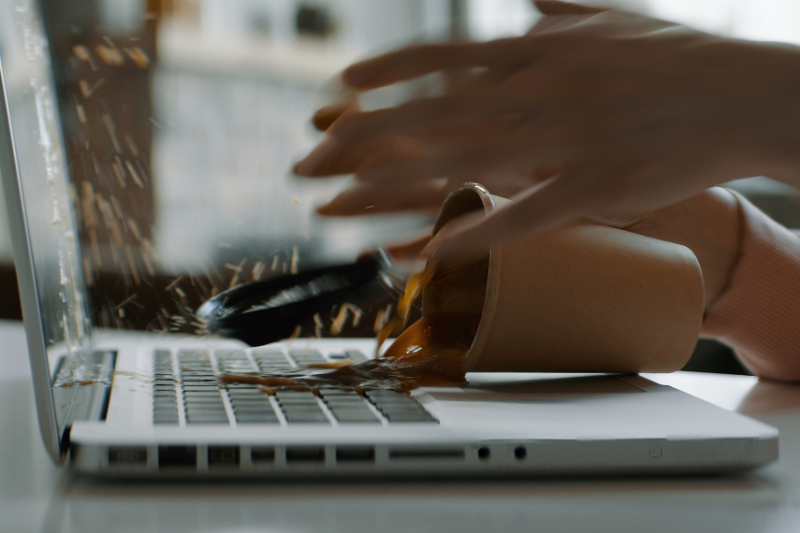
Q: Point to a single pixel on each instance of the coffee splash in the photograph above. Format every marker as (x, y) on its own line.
(430, 352)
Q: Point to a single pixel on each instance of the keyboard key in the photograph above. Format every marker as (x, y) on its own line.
(247, 415)
(251, 403)
(344, 400)
(257, 421)
(200, 400)
(301, 410)
(294, 393)
(365, 418)
(207, 412)
(247, 391)
(339, 392)
(204, 407)
(230, 354)
(307, 357)
(411, 418)
(399, 406)
(396, 404)
(385, 392)
(260, 353)
(251, 409)
(356, 356)
(298, 400)
(201, 391)
(249, 400)
(192, 354)
(310, 417)
(298, 404)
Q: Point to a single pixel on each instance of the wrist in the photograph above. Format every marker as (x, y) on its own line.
(721, 243)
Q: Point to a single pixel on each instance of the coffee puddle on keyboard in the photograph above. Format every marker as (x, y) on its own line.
(428, 353)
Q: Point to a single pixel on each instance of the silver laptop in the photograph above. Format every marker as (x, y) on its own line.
(148, 403)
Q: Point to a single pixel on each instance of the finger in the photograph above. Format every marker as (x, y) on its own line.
(353, 149)
(368, 199)
(429, 116)
(332, 157)
(409, 250)
(415, 61)
(545, 206)
(326, 116)
(555, 7)
(466, 159)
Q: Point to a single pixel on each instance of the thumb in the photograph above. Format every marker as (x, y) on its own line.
(556, 7)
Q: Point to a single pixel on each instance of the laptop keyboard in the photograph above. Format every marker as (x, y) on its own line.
(185, 383)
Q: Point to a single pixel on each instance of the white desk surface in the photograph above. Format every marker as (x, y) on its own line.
(36, 496)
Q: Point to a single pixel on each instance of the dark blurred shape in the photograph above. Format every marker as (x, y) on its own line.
(314, 21)
(262, 312)
(713, 356)
(10, 306)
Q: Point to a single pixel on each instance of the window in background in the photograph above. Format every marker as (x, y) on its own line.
(762, 20)
(492, 19)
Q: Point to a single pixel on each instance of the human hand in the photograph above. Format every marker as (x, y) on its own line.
(625, 114)
(708, 223)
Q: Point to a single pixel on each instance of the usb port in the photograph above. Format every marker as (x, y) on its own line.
(350, 454)
(305, 454)
(262, 454)
(177, 456)
(426, 453)
(223, 456)
(127, 455)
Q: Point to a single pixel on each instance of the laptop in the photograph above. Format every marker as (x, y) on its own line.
(147, 404)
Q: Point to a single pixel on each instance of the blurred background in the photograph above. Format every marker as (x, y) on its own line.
(182, 119)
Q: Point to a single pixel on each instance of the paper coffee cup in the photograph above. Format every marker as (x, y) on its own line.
(580, 298)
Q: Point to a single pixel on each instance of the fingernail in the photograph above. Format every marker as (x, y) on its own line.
(303, 168)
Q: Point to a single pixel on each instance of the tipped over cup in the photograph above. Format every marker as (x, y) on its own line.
(580, 298)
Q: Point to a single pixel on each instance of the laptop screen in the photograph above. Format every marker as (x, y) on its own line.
(156, 141)
(52, 228)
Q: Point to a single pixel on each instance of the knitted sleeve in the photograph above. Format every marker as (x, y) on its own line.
(758, 314)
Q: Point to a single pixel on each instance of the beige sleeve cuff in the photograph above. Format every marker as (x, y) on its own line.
(758, 314)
